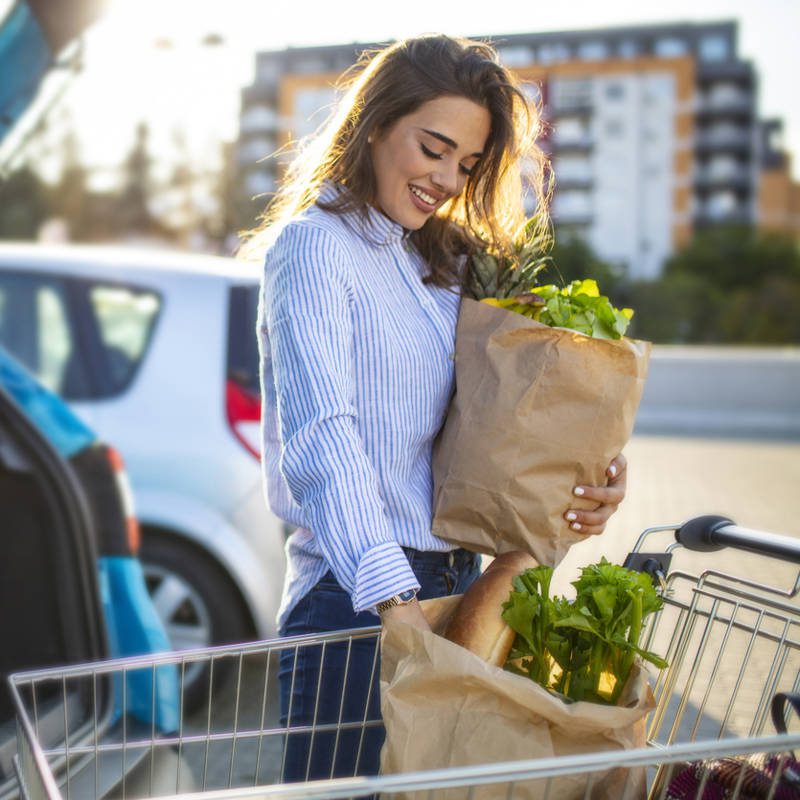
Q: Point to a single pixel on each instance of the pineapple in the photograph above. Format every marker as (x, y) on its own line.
(504, 278)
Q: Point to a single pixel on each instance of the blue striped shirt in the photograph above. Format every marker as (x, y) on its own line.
(357, 372)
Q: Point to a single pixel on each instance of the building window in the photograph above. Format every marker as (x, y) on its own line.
(721, 204)
(670, 47)
(615, 129)
(552, 53)
(312, 107)
(628, 49)
(570, 131)
(268, 71)
(572, 168)
(309, 65)
(258, 118)
(515, 56)
(714, 47)
(572, 202)
(592, 51)
(615, 91)
(571, 94)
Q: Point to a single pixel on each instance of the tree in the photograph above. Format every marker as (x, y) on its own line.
(734, 257)
(23, 205)
(133, 203)
(728, 285)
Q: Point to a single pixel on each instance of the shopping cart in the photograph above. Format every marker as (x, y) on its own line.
(731, 642)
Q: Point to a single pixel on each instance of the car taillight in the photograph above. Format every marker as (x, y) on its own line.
(243, 409)
(121, 477)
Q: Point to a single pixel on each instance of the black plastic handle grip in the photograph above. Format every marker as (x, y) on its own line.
(712, 532)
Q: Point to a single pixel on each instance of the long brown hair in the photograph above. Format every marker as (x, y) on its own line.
(388, 84)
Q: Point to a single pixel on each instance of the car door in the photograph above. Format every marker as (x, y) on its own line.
(49, 596)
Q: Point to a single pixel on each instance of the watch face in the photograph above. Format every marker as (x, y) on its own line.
(408, 596)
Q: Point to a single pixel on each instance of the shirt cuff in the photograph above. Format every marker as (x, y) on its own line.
(382, 573)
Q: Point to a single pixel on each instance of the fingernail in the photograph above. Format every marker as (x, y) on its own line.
(576, 526)
(571, 515)
(612, 470)
(578, 490)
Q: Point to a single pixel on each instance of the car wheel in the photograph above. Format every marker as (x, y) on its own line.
(197, 604)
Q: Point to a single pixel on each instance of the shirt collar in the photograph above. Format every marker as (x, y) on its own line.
(377, 227)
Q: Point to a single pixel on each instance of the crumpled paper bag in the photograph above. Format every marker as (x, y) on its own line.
(537, 411)
(443, 707)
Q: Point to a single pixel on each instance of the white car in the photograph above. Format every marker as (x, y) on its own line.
(157, 351)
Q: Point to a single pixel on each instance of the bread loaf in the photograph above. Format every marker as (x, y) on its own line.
(476, 623)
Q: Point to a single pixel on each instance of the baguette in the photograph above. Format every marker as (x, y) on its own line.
(477, 623)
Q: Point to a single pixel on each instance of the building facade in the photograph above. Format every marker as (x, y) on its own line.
(652, 130)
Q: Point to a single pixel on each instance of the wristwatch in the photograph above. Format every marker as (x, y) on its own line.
(402, 599)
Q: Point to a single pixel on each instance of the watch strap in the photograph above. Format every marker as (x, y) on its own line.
(401, 599)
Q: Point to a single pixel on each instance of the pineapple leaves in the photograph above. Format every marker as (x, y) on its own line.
(510, 283)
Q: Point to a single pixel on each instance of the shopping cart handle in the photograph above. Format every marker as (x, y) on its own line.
(712, 532)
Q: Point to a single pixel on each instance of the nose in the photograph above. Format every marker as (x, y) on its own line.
(446, 177)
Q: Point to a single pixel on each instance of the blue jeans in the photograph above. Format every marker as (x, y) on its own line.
(318, 684)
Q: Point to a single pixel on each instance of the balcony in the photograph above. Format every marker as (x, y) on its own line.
(575, 181)
(569, 107)
(265, 94)
(259, 119)
(707, 217)
(739, 71)
(741, 107)
(573, 218)
(713, 179)
(726, 139)
(563, 142)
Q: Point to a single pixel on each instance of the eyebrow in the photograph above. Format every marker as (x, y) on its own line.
(447, 140)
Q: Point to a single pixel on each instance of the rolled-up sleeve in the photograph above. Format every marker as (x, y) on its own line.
(307, 315)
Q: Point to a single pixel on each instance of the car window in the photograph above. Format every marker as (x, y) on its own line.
(242, 340)
(55, 340)
(34, 327)
(125, 318)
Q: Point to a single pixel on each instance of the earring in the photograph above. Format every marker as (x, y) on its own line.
(369, 139)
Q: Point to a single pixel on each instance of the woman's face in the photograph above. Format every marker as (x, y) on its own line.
(424, 158)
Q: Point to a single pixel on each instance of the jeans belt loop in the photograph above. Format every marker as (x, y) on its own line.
(451, 558)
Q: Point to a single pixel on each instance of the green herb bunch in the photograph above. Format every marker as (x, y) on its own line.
(584, 649)
(510, 282)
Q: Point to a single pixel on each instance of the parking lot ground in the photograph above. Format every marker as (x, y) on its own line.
(670, 479)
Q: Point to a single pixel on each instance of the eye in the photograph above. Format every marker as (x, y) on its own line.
(465, 170)
(430, 153)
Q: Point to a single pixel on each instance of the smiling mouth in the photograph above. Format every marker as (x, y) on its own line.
(422, 195)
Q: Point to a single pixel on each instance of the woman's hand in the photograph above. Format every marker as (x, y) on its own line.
(608, 497)
(410, 613)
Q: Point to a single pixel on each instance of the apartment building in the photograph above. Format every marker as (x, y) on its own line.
(652, 130)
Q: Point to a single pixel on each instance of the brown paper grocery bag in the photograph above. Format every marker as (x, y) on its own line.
(537, 411)
(443, 706)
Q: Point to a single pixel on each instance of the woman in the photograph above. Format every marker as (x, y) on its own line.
(366, 239)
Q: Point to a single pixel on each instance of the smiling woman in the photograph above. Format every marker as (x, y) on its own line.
(419, 164)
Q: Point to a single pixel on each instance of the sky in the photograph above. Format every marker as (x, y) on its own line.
(145, 58)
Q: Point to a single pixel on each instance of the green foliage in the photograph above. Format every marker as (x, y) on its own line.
(568, 647)
(736, 257)
(730, 285)
(578, 306)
